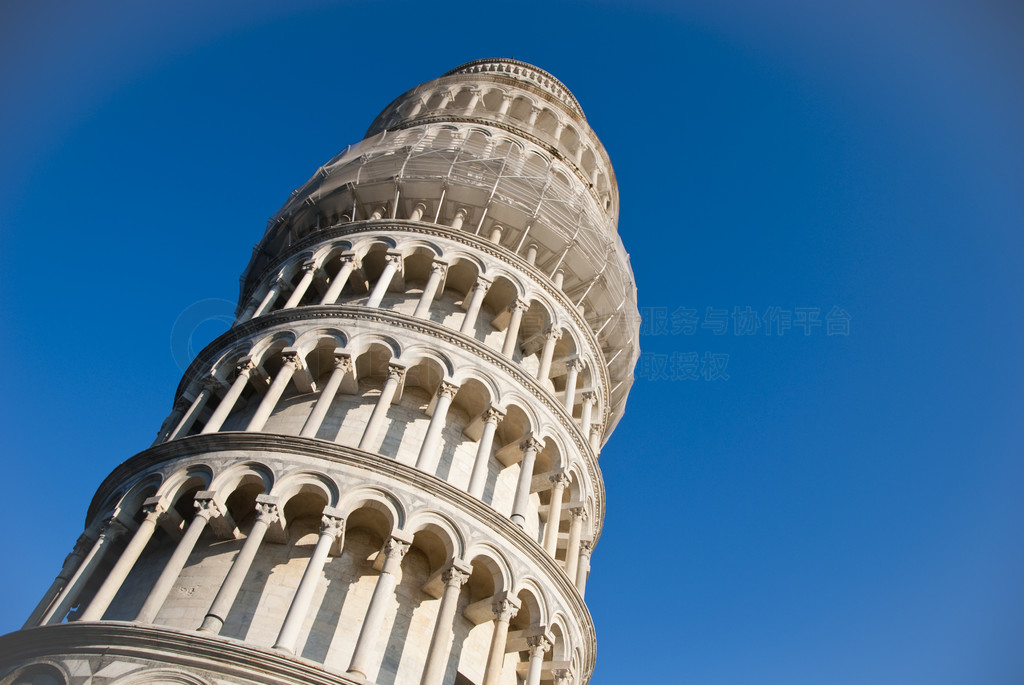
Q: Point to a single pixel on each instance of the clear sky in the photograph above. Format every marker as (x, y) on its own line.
(842, 509)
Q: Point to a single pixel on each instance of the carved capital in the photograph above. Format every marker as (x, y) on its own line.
(576, 364)
(291, 358)
(396, 372)
(539, 644)
(393, 258)
(586, 548)
(531, 444)
(332, 525)
(578, 512)
(153, 507)
(519, 306)
(245, 367)
(343, 361)
(560, 480)
(114, 529)
(590, 397)
(504, 610)
(596, 429)
(454, 577)
(447, 389)
(211, 383)
(395, 549)
(309, 265)
(483, 284)
(207, 507)
(267, 512)
(493, 415)
(439, 268)
(552, 333)
(561, 676)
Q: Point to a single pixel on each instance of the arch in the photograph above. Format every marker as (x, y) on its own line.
(195, 477)
(307, 482)
(159, 677)
(275, 342)
(444, 530)
(532, 608)
(375, 499)
(44, 673)
(489, 558)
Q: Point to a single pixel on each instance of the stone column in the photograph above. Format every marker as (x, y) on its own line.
(266, 514)
(531, 119)
(572, 553)
(478, 478)
(475, 302)
(348, 264)
(583, 569)
(332, 527)
(417, 212)
(291, 362)
(250, 309)
(210, 384)
(342, 366)
(153, 507)
(559, 481)
(268, 299)
(220, 414)
(309, 269)
(474, 98)
(427, 459)
(383, 592)
(539, 645)
(512, 332)
(437, 272)
(387, 393)
(459, 219)
(530, 447)
(59, 609)
(572, 371)
(506, 102)
(561, 676)
(504, 611)
(596, 431)
(173, 419)
(551, 336)
(440, 642)
(67, 571)
(589, 399)
(206, 508)
(391, 264)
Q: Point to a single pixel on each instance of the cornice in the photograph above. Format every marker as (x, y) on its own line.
(470, 240)
(415, 479)
(204, 651)
(212, 351)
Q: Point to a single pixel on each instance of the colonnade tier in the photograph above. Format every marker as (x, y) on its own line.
(468, 179)
(408, 397)
(446, 276)
(230, 504)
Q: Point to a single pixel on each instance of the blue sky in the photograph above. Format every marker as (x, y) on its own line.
(842, 510)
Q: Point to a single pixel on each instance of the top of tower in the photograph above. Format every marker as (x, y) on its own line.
(522, 71)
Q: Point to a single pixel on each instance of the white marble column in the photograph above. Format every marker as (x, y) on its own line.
(417, 212)
(596, 431)
(209, 387)
(561, 676)
(267, 513)
(437, 272)
(559, 481)
(531, 119)
(348, 265)
(454, 577)
(427, 458)
(220, 414)
(153, 508)
(572, 372)
(309, 271)
(391, 263)
(475, 302)
(342, 367)
(504, 611)
(206, 509)
(332, 528)
(572, 553)
(538, 647)
(551, 336)
(290, 363)
(268, 299)
(583, 568)
(112, 530)
(478, 478)
(530, 447)
(380, 411)
(587, 412)
(71, 564)
(518, 308)
(383, 594)
(459, 219)
(506, 102)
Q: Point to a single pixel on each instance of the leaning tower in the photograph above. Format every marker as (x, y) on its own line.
(386, 471)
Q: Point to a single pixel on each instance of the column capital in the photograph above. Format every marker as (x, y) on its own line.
(453, 576)
(206, 506)
(483, 284)
(267, 510)
(578, 512)
(552, 333)
(343, 361)
(590, 396)
(596, 429)
(505, 609)
(586, 548)
(439, 267)
(538, 644)
(493, 414)
(332, 525)
(309, 265)
(519, 305)
(576, 363)
(560, 479)
(394, 258)
(531, 443)
(114, 529)
(245, 366)
(346, 257)
(211, 382)
(153, 507)
(396, 372)
(447, 389)
(561, 675)
(290, 356)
